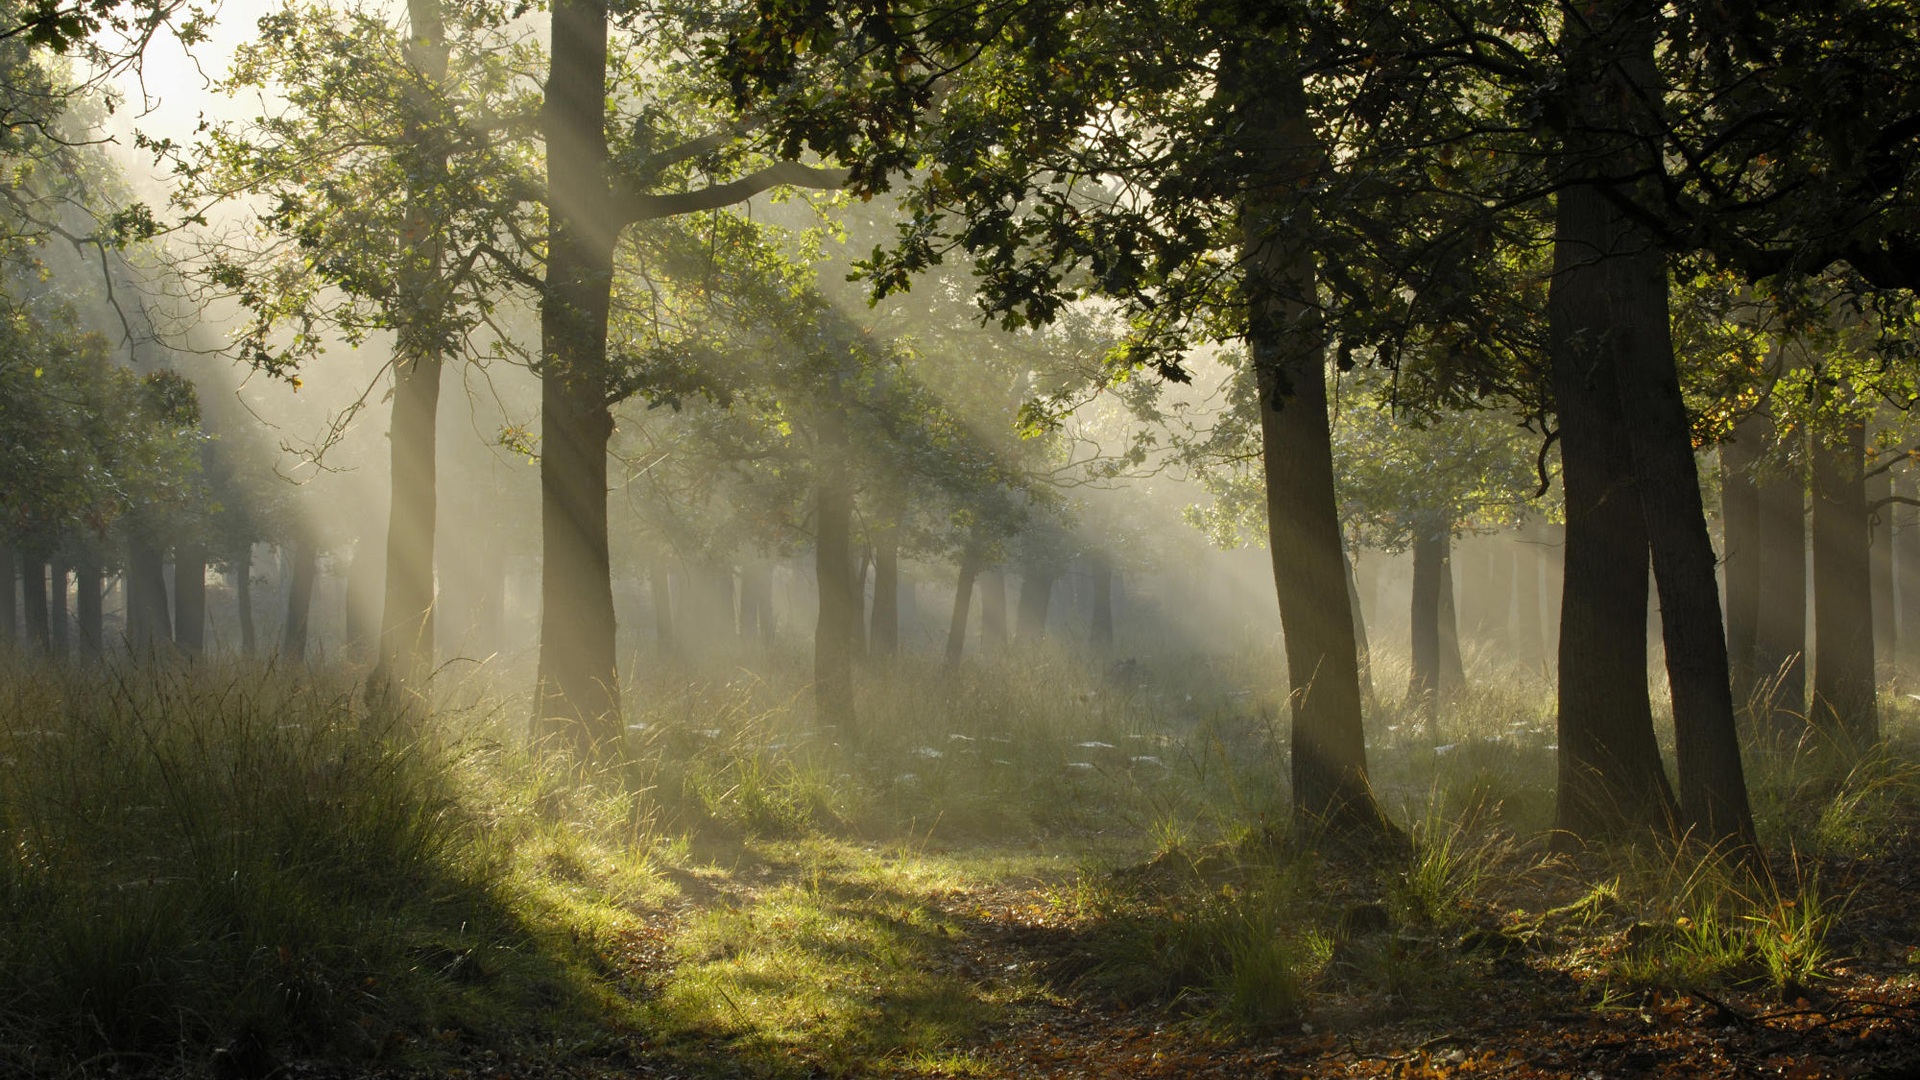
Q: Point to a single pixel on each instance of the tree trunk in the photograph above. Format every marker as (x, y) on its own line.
(1453, 667)
(1611, 779)
(406, 617)
(305, 556)
(1623, 316)
(33, 594)
(1740, 554)
(1498, 627)
(1528, 639)
(243, 599)
(1429, 562)
(1473, 588)
(190, 597)
(9, 609)
(833, 565)
(857, 594)
(1036, 599)
(1880, 553)
(1100, 632)
(962, 601)
(883, 637)
(1843, 686)
(1780, 623)
(58, 636)
(149, 622)
(1906, 572)
(993, 611)
(1287, 340)
(1367, 697)
(578, 687)
(89, 589)
(660, 591)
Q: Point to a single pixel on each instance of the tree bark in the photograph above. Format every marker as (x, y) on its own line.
(1100, 631)
(1740, 551)
(89, 590)
(1368, 699)
(1036, 600)
(660, 591)
(1528, 639)
(1780, 623)
(1429, 562)
(1287, 339)
(1626, 318)
(578, 689)
(993, 611)
(406, 616)
(1844, 709)
(59, 637)
(190, 597)
(33, 595)
(243, 599)
(1611, 779)
(1880, 555)
(962, 601)
(9, 594)
(149, 621)
(833, 565)
(305, 556)
(857, 595)
(883, 636)
(1906, 572)
(1453, 666)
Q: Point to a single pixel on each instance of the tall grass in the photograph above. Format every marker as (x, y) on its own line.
(209, 854)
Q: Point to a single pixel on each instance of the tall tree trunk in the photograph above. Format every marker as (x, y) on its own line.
(1740, 555)
(1498, 627)
(1843, 686)
(1036, 599)
(1528, 639)
(962, 601)
(305, 557)
(833, 565)
(857, 593)
(660, 591)
(406, 617)
(243, 599)
(190, 596)
(1100, 632)
(9, 593)
(1780, 623)
(89, 589)
(1429, 563)
(1611, 779)
(1453, 667)
(883, 637)
(578, 688)
(993, 611)
(1473, 588)
(1360, 643)
(1623, 315)
(1287, 340)
(149, 621)
(1906, 572)
(33, 594)
(1880, 554)
(58, 636)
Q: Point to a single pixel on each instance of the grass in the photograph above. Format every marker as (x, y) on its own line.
(215, 857)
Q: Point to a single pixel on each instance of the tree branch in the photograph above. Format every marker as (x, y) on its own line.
(637, 207)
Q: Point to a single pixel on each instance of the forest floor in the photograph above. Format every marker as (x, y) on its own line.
(1497, 996)
(1038, 878)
